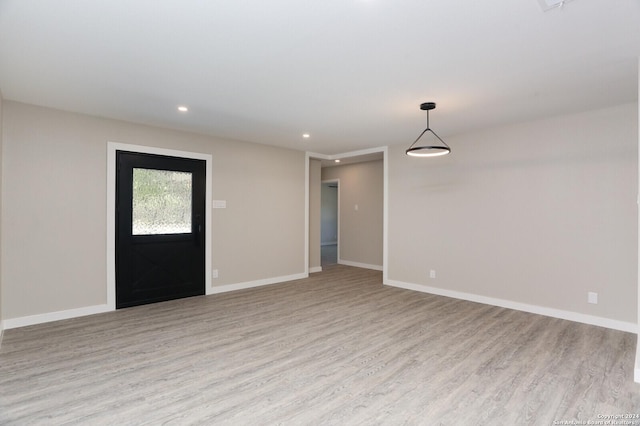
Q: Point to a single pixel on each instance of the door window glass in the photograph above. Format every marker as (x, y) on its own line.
(161, 202)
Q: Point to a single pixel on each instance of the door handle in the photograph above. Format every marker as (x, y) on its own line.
(197, 230)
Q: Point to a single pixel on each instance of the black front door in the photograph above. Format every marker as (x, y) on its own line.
(160, 210)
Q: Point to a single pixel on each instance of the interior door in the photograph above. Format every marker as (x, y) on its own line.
(160, 210)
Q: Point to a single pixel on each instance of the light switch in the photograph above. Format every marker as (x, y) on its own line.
(219, 204)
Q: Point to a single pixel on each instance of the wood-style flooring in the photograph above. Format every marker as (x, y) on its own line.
(328, 255)
(338, 348)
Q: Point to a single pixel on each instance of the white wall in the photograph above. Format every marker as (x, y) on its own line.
(54, 207)
(538, 213)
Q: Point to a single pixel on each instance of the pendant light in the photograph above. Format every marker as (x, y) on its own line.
(428, 150)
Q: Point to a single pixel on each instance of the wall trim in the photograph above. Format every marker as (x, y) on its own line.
(307, 209)
(55, 316)
(360, 265)
(257, 283)
(637, 366)
(99, 309)
(315, 269)
(1, 331)
(534, 309)
(349, 154)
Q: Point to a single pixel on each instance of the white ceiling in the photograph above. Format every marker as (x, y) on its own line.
(352, 73)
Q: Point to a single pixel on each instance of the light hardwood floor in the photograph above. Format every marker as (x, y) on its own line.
(328, 255)
(337, 348)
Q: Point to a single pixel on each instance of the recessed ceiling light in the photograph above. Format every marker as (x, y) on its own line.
(337, 161)
(183, 108)
(306, 135)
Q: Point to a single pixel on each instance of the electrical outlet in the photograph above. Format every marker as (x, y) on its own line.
(592, 297)
(214, 273)
(432, 273)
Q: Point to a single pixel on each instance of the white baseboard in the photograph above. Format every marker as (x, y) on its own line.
(257, 283)
(55, 316)
(360, 265)
(534, 309)
(315, 269)
(98, 309)
(1, 331)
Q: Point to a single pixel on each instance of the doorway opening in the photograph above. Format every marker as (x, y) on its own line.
(329, 222)
(364, 242)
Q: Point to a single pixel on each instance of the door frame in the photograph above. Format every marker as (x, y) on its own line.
(385, 202)
(112, 147)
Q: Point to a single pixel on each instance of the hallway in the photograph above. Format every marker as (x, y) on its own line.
(329, 254)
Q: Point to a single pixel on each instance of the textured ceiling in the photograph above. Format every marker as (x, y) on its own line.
(352, 73)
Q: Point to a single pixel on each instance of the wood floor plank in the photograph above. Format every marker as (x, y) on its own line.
(335, 348)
